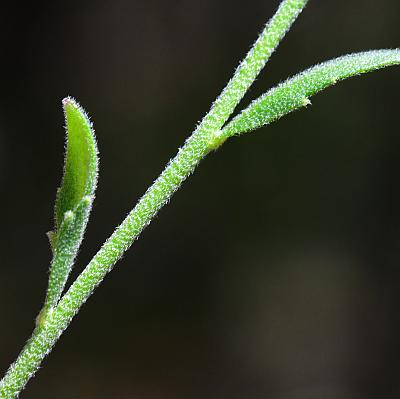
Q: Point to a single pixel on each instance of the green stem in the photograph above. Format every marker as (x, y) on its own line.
(200, 143)
(295, 92)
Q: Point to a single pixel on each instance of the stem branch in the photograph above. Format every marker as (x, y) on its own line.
(200, 143)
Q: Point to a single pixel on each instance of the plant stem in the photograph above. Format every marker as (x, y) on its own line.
(294, 93)
(200, 143)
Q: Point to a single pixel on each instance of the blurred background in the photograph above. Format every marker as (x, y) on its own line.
(275, 271)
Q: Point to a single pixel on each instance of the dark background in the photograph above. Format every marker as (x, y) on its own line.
(275, 271)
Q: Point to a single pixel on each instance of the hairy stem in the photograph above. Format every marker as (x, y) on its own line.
(203, 140)
(295, 92)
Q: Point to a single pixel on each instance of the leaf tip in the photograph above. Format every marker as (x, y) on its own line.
(68, 100)
(70, 104)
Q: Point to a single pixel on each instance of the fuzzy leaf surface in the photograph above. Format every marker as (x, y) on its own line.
(74, 201)
(81, 161)
(294, 93)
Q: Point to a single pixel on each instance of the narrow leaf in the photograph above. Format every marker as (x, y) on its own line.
(294, 93)
(74, 200)
(81, 162)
